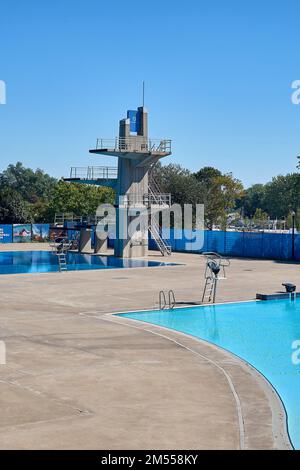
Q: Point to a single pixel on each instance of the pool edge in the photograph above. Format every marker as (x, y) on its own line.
(280, 435)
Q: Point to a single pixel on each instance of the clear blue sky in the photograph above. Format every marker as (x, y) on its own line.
(218, 81)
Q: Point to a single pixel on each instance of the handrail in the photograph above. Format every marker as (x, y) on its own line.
(215, 256)
(94, 172)
(153, 184)
(172, 301)
(94, 219)
(134, 144)
(160, 298)
(157, 199)
(155, 232)
(220, 260)
(145, 199)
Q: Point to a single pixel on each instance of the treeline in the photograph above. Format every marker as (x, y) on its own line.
(225, 198)
(28, 196)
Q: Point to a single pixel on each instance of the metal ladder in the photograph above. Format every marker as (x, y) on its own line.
(153, 186)
(154, 191)
(215, 264)
(210, 289)
(162, 246)
(62, 261)
(163, 302)
(60, 249)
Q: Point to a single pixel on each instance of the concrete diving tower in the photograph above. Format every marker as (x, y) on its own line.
(137, 156)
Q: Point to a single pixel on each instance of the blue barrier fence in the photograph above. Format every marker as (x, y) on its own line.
(244, 244)
(24, 233)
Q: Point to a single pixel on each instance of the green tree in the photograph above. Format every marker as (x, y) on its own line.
(35, 189)
(180, 183)
(13, 208)
(219, 194)
(252, 199)
(31, 185)
(282, 195)
(260, 216)
(207, 174)
(80, 199)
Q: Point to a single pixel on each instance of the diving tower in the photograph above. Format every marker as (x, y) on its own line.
(132, 180)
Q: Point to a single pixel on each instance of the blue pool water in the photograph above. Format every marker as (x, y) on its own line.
(13, 262)
(261, 333)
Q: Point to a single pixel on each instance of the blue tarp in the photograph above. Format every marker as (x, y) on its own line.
(244, 244)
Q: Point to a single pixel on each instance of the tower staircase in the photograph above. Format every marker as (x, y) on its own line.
(161, 200)
(160, 242)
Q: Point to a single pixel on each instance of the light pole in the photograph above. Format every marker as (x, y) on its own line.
(293, 214)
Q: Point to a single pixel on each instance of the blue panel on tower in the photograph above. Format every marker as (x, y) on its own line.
(135, 118)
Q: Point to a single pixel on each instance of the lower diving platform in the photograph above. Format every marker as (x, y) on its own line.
(97, 175)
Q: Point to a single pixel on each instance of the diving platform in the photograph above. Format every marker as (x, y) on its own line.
(134, 183)
(96, 175)
(137, 148)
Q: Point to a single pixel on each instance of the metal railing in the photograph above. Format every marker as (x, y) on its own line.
(162, 301)
(147, 200)
(153, 186)
(60, 219)
(134, 144)
(94, 172)
(157, 199)
(154, 229)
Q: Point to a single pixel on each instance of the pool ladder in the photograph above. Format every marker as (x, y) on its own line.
(163, 302)
(62, 261)
(60, 247)
(210, 289)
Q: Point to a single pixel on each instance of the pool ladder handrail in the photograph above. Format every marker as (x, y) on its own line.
(62, 261)
(60, 247)
(210, 289)
(216, 258)
(163, 302)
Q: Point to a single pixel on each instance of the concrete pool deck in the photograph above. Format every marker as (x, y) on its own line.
(78, 378)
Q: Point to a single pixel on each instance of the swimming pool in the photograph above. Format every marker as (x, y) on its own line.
(261, 333)
(14, 262)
